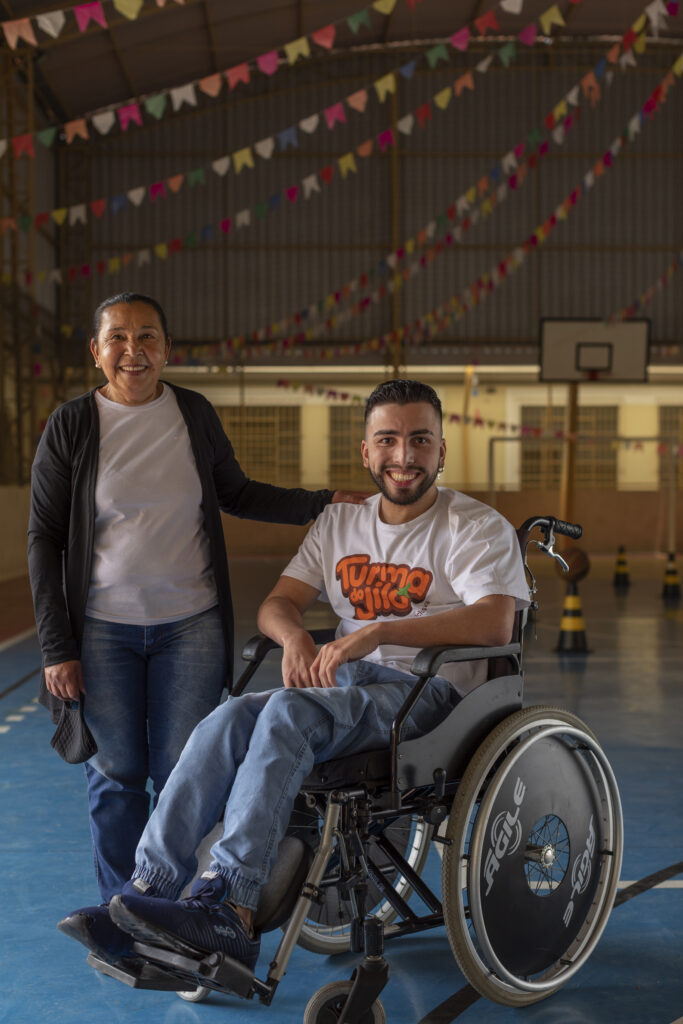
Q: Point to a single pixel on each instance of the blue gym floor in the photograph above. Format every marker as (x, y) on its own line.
(629, 690)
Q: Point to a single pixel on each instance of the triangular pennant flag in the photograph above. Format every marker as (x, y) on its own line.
(129, 114)
(528, 34)
(297, 48)
(265, 148)
(384, 6)
(384, 86)
(23, 144)
(292, 193)
(358, 100)
(288, 137)
(408, 70)
(77, 214)
(155, 106)
(464, 82)
(3, 147)
(405, 124)
(310, 184)
(161, 250)
(19, 29)
(240, 73)
(640, 44)
(211, 85)
(483, 65)
(118, 203)
(324, 36)
(59, 216)
(559, 134)
(573, 96)
(77, 128)
(310, 124)
(85, 13)
(144, 257)
(386, 139)
(460, 39)
(128, 8)
(355, 21)
(114, 265)
(512, 6)
(485, 22)
(268, 62)
(590, 87)
(364, 149)
(184, 94)
(175, 183)
(46, 137)
(98, 206)
(104, 122)
(243, 219)
(549, 18)
(157, 190)
(560, 111)
(51, 23)
(437, 53)
(327, 173)
(655, 12)
(347, 163)
(242, 158)
(424, 114)
(136, 195)
(196, 177)
(507, 54)
(443, 98)
(221, 166)
(627, 59)
(335, 113)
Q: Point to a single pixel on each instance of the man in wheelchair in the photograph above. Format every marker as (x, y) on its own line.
(415, 566)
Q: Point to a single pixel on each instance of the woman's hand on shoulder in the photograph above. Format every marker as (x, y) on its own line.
(352, 497)
(65, 680)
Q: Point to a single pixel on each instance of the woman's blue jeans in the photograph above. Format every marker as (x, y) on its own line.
(249, 759)
(146, 689)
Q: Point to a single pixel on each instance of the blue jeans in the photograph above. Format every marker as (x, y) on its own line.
(249, 759)
(146, 689)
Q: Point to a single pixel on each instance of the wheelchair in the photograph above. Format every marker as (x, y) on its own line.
(523, 802)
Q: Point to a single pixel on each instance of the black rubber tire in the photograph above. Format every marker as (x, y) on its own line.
(531, 733)
(324, 1006)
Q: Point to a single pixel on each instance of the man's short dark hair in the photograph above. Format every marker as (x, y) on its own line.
(402, 392)
(128, 298)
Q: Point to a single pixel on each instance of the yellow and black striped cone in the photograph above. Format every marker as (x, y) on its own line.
(622, 580)
(572, 639)
(671, 591)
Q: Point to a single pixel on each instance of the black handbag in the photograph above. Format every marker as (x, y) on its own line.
(73, 740)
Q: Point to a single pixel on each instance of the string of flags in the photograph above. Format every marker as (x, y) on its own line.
(645, 298)
(79, 213)
(332, 395)
(430, 325)
(506, 175)
(134, 112)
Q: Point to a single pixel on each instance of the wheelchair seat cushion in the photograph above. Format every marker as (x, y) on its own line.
(370, 767)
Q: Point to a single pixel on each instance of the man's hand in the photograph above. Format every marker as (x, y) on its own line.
(65, 680)
(352, 647)
(298, 654)
(353, 497)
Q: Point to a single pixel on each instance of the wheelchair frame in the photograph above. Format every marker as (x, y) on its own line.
(467, 762)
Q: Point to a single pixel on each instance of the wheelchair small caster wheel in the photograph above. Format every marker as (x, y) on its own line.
(325, 1006)
(195, 995)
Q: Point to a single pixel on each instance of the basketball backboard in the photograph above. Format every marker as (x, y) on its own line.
(593, 350)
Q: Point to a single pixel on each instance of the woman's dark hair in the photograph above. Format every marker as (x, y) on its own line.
(129, 298)
(402, 392)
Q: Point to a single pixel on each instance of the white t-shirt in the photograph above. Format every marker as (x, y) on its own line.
(455, 553)
(151, 560)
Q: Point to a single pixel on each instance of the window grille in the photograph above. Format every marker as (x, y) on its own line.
(671, 432)
(346, 434)
(267, 441)
(596, 459)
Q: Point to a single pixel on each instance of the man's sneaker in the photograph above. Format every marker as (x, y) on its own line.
(204, 922)
(93, 927)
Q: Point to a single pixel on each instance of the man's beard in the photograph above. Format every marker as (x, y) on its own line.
(407, 497)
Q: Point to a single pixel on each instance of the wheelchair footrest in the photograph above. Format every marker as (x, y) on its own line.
(138, 975)
(212, 970)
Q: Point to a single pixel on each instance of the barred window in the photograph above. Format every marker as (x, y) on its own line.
(671, 432)
(596, 459)
(346, 433)
(266, 440)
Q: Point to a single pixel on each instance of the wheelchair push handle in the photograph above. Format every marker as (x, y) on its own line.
(572, 530)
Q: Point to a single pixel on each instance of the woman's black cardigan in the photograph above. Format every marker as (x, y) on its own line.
(62, 517)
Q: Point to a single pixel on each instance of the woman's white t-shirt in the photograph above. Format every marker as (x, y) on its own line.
(151, 560)
(455, 553)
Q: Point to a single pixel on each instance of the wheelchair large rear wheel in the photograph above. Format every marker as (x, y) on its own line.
(530, 876)
(327, 928)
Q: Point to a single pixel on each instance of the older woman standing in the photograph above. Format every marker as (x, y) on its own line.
(129, 571)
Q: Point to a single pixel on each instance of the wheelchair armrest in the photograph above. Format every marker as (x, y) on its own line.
(257, 647)
(430, 658)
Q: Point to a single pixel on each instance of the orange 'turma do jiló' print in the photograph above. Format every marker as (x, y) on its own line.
(381, 588)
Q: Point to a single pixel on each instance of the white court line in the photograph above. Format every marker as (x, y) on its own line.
(5, 728)
(14, 718)
(29, 707)
(17, 639)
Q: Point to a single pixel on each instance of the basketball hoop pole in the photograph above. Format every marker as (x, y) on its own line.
(569, 455)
